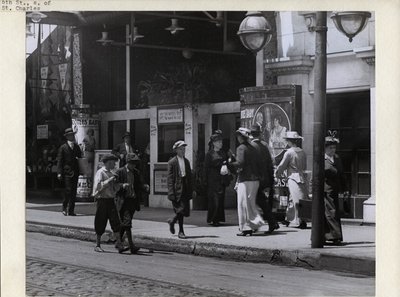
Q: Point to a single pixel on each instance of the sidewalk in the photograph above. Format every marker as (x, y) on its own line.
(286, 246)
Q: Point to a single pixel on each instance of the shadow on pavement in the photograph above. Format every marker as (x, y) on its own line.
(202, 236)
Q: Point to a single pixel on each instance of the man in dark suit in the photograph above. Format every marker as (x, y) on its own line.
(128, 197)
(68, 170)
(180, 187)
(266, 188)
(124, 148)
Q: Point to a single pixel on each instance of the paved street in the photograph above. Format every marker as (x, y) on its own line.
(66, 267)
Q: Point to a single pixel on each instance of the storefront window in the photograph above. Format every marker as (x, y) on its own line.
(349, 115)
(167, 136)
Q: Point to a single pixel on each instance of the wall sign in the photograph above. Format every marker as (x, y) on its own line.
(160, 180)
(42, 132)
(170, 115)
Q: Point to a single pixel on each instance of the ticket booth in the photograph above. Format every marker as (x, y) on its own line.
(277, 109)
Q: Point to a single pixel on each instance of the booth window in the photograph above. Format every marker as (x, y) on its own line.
(167, 136)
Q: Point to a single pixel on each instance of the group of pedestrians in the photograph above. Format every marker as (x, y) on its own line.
(256, 173)
(118, 192)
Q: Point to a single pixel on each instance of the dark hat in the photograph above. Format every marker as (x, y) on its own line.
(108, 157)
(255, 129)
(69, 131)
(292, 135)
(218, 132)
(127, 134)
(131, 157)
(245, 132)
(331, 139)
(216, 137)
(179, 143)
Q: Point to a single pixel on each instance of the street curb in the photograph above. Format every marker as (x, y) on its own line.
(300, 258)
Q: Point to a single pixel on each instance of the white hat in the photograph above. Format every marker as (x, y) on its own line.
(179, 143)
(292, 135)
(243, 131)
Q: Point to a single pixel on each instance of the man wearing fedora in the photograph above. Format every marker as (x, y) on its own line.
(294, 162)
(124, 148)
(68, 170)
(179, 187)
(248, 180)
(128, 197)
(266, 188)
(105, 188)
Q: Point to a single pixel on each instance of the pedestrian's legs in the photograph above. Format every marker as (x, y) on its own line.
(100, 222)
(266, 206)
(115, 224)
(180, 222)
(296, 193)
(254, 218)
(242, 207)
(74, 185)
(67, 193)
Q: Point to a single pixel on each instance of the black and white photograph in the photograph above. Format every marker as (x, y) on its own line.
(200, 152)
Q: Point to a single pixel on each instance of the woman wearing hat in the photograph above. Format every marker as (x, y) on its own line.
(334, 184)
(179, 187)
(216, 182)
(294, 162)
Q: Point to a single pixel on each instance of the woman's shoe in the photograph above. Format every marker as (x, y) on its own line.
(245, 233)
(286, 223)
(98, 249)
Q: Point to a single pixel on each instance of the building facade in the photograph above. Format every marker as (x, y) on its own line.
(187, 85)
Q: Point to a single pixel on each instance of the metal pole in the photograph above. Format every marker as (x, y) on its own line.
(318, 208)
(128, 70)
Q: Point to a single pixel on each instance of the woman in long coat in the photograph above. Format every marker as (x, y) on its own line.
(216, 182)
(334, 184)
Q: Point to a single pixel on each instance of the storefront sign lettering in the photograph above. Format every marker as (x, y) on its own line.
(168, 116)
(188, 128)
(247, 113)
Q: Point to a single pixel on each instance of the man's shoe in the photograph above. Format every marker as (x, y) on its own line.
(72, 214)
(134, 249)
(181, 235)
(171, 226)
(64, 213)
(272, 228)
(98, 249)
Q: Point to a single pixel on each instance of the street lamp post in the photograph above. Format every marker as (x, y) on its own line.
(318, 176)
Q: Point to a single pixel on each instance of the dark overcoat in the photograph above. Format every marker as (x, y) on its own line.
(67, 160)
(175, 184)
(138, 186)
(121, 149)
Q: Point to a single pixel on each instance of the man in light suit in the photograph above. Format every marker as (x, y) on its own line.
(68, 170)
(179, 187)
(124, 148)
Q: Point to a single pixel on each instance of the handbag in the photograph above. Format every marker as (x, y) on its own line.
(224, 170)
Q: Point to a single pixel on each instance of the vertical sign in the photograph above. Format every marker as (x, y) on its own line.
(62, 68)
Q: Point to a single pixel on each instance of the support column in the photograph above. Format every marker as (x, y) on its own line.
(128, 75)
(317, 231)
